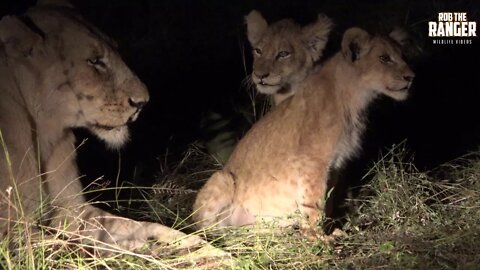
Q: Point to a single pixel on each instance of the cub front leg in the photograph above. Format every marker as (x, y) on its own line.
(312, 187)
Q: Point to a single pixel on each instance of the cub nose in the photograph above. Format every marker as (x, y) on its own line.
(137, 103)
(262, 76)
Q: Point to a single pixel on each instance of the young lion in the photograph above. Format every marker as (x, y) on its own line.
(284, 53)
(58, 72)
(281, 165)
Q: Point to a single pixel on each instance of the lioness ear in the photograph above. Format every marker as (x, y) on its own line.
(256, 26)
(355, 43)
(19, 39)
(400, 36)
(55, 3)
(315, 35)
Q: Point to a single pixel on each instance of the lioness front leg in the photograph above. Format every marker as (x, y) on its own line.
(73, 215)
(106, 228)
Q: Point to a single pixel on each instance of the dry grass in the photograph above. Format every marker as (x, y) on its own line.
(403, 219)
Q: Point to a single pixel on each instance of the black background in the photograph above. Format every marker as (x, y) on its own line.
(193, 56)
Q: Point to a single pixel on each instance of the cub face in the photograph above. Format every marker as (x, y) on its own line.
(379, 62)
(284, 52)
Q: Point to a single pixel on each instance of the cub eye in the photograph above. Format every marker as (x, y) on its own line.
(385, 58)
(283, 54)
(257, 51)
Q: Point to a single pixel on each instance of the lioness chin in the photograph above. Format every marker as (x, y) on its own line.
(281, 165)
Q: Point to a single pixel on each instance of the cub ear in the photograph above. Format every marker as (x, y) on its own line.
(55, 3)
(355, 43)
(256, 26)
(315, 35)
(18, 38)
(400, 36)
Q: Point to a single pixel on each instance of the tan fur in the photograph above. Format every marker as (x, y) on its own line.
(274, 74)
(59, 72)
(280, 167)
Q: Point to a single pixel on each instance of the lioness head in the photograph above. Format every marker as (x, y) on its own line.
(284, 52)
(378, 62)
(74, 74)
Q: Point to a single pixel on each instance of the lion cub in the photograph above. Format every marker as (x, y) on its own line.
(284, 53)
(280, 167)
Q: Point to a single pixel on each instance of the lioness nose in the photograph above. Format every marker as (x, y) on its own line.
(408, 78)
(139, 104)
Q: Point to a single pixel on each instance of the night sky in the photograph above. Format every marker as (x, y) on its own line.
(193, 56)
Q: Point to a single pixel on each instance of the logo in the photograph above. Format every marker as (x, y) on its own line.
(452, 28)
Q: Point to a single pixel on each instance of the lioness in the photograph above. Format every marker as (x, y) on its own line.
(281, 165)
(58, 72)
(284, 53)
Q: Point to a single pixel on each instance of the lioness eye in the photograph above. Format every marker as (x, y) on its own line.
(96, 61)
(93, 61)
(385, 58)
(283, 54)
(257, 51)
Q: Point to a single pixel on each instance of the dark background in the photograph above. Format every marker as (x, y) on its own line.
(193, 56)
